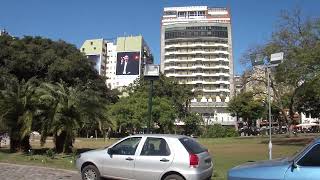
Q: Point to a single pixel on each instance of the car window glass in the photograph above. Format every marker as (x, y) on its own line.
(155, 147)
(192, 146)
(312, 158)
(127, 147)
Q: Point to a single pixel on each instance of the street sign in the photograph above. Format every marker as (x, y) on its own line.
(276, 57)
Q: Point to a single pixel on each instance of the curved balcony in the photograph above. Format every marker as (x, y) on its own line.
(195, 45)
(197, 74)
(196, 52)
(196, 59)
(205, 82)
(197, 67)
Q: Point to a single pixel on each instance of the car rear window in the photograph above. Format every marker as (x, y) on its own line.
(192, 146)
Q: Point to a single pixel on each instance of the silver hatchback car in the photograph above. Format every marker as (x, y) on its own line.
(148, 157)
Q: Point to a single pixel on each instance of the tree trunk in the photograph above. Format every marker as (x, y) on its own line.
(17, 143)
(63, 143)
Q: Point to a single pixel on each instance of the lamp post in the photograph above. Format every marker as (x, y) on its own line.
(274, 60)
(151, 72)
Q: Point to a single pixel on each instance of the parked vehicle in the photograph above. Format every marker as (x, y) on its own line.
(305, 165)
(148, 157)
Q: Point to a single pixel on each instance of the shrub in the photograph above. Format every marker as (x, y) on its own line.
(50, 153)
(218, 131)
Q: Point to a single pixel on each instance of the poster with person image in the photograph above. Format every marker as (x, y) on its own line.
(128, 63)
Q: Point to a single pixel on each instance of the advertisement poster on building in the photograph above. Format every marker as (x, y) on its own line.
(128, 63)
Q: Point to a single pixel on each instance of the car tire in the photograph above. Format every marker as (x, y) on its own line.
(90, 172)
(174, 177)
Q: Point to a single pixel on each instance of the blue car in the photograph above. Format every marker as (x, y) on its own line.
(305, 165)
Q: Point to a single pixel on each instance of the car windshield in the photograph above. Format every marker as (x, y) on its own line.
(302, 151)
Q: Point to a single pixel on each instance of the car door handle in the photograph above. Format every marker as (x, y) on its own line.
(129, 159)
(164, 160)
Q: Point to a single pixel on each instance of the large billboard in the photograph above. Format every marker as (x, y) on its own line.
(128, 63)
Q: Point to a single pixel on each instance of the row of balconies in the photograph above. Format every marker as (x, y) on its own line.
(197, 67)
(217, 99)
(195, 45)
(204, 82)
(198, 74)
(217, 90)
(197, 52)
(196, 59)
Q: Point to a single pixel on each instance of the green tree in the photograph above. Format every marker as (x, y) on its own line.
(50, 61)
(192, 122)
(17, 109)
(61, 114)
(309, 97)
(247, 107)
(298, 37)
(170, 101)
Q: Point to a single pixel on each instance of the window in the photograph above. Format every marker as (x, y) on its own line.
(192, 13)
(155, 147)
(94, 48)
(127, 147)
(192, 146)
(201, 13)
(91, 43)
(83, 49)
(312, 158)
(181, 14)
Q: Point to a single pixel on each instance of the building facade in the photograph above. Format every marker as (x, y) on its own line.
(238, 84)
(132, 54)
(196, 49)
(96, 51)
(121, 62)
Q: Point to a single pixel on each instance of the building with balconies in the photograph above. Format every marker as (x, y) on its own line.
(96, 51)
(196, 49)
(121, 62)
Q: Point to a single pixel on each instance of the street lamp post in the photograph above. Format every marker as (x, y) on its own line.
(274, 60)
(150, 106)
(269, 115)
(151, 72)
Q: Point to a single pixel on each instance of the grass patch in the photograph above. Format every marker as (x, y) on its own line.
(226, 152)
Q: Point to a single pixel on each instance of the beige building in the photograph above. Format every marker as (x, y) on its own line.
(196, 49)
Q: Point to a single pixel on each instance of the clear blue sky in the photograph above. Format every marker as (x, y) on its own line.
(77, 20)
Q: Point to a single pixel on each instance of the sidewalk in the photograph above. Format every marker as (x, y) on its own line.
(26, 172)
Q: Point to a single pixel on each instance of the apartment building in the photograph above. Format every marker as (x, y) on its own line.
(121, 62)
(196, 49)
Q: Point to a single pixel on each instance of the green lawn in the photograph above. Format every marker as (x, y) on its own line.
(226, 152)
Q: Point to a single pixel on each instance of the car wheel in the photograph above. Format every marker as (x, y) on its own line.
(173, 177)
(90, 172)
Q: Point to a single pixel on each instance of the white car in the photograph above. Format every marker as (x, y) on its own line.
(148, 157)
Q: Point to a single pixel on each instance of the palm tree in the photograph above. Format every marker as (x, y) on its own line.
(60, 114)
(17, 110)
(64, 110)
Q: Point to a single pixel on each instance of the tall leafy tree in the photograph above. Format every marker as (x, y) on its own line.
(17, 109)
(298, 37)
(61, 115)
(247, 107)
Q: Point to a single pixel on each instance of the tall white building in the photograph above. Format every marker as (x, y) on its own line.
(196, 49)
(112, 81)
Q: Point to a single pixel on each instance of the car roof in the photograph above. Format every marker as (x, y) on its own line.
(159, 135)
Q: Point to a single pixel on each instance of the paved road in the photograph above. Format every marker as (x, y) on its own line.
(24, 172)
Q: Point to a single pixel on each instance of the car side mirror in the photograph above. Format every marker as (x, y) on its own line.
(294, 165)
(110, 151)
